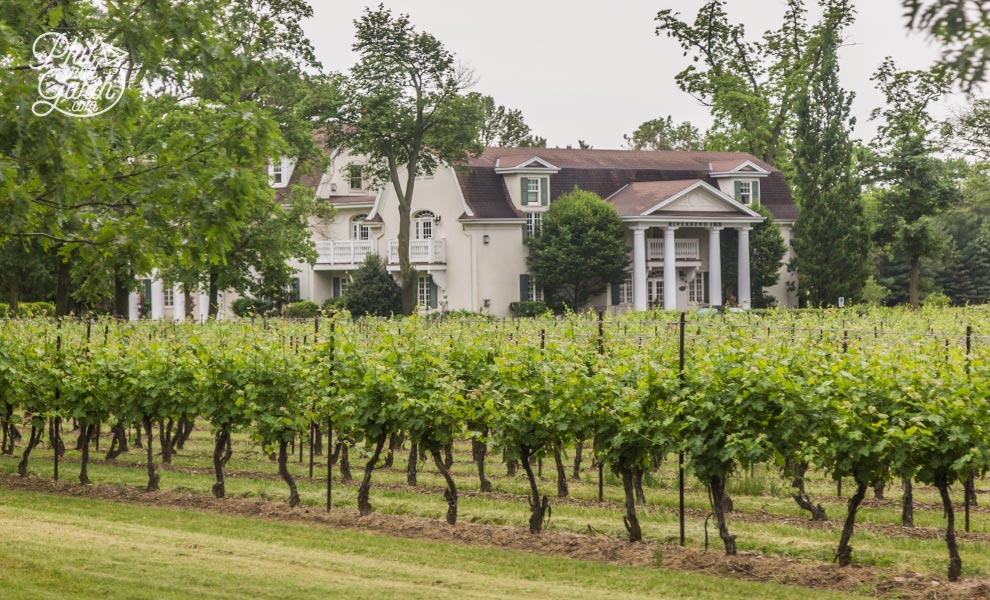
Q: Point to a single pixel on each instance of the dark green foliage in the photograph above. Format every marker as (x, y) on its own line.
(532, 308)
(582, 249)
(664, 134)
(373, 291)
(248, 307)
(302, 310)
(831, 236)
(766, 251)
(505, 126)
(963, 28)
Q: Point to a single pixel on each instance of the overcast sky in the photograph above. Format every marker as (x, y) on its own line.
(594, 70)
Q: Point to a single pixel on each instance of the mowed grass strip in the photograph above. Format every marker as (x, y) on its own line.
(57, 547)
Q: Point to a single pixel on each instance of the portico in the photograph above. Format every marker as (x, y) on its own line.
(677, 237)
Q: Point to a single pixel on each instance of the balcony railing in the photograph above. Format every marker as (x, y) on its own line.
(685, 249)
(344, 252)
(420, 251)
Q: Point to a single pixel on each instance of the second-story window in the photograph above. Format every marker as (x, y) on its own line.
(423, 225)
(532, 190)
(355, 177)
(277, 171)
(168, 298)
(748, 192)
(360, 229)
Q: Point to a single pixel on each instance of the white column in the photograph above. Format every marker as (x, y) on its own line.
(133, 306)
(745, 301)
(204, 306)
(178, 304)
(157, 299)
(714, 266)
(669, 269)
(639, 267)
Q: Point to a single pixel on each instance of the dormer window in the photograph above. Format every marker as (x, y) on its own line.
(535, 191)
(356, 178)
(747, 192)
(277, 171)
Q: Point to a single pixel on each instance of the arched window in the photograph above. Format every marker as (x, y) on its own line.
(423, 223)
(360, 231)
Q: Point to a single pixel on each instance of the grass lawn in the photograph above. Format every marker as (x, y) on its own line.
(58, 547)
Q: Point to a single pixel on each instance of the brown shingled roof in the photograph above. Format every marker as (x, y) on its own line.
(604, 172)
(635, 198)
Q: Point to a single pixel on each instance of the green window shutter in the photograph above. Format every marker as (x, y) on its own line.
(525, 190)
(524, 287)
(755, 186)
(704, 294)
(336, 287)
(545, 191)
(615, 294)
(738, 187)
(433, 293)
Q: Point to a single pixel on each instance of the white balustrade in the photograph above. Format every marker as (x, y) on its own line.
(420, 251)
(686, 249)
(337, 252)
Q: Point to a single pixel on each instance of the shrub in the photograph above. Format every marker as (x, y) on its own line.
(937, 300)
(35, 309)
(373, 291)
(4, 310)
(460, 314)
(301, 310)
(532, 308)
(246, 307)
(338, 303)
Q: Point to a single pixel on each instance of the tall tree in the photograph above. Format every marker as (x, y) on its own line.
(405, 108)
(917, 184)
(963, 28)
(766, 251)
(831, 236)
(664, 134)
(749, 86)
(580, 250)
(505, 126)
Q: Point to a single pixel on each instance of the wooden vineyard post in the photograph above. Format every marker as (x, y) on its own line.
(970, 483)
(312, 442)
(328, 453)
(845, 348)
(601, 467)
(680, 455)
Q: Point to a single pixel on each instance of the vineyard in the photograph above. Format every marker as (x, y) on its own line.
(664, 430)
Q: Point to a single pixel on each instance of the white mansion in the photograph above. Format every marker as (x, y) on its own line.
(470, 224)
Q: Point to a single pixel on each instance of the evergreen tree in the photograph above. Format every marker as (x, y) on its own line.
(831, 237)
(373, 291)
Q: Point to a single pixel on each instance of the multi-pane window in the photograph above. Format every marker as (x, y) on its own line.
(532, 190)
(359, 229)
(535, 291)
(356, 178)
(168, 297)
(277, 171)
(745, 192)
(654, 291)
(696, 289)
(423, 221)
(626, 291)
(534, 224)
(423, 291)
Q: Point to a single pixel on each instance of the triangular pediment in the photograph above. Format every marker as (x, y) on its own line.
(534, 164)
(700, 198)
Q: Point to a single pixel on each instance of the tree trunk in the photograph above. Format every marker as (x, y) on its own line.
(913, 279)
(318, 445)
(364, 506)
(907, 503)
(638, 484)
(578, 450)
(55, 437)
(118, 444)
(182, 433)
(449, 494)
(219, 447)
(562, 490)
(165, 439)
(411, 465)
(878, 490)
(137, 438)
(394, 443)
(153, 477)
(283, 471)
(479, 450)
(214, 294)
(63, 284)
(35, 438)
(88, 432)
(801, 495)
(10, 433)
(844, 553)
(345, 464)
(955, 561)
(448, 455)
(538, 508)
(717, 487)
(630, 520)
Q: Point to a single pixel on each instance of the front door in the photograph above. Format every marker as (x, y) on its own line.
(654, 291)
